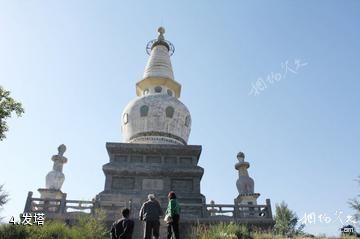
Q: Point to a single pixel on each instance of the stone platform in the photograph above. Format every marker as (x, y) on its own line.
(135, 170)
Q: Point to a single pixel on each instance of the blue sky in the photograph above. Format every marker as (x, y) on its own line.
(74, 65)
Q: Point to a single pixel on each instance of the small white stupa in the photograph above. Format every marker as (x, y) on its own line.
(55, 178)
(245, 184)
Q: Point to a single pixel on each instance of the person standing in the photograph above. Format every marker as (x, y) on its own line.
(173, 210)
(150, 213)
(124, 227)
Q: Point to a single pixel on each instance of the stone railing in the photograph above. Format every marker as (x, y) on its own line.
(239, 211)
(69, 209)
(58, 208)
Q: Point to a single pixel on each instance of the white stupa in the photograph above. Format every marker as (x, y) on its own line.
(157, 116)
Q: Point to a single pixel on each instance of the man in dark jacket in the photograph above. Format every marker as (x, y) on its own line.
(150, 212)
(124, 227)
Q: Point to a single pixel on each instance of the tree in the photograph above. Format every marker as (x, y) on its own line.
(7, 106)
(355, 203)
(4, 197)
(286, 221)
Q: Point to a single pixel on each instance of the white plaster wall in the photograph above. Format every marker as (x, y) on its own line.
(156, 119)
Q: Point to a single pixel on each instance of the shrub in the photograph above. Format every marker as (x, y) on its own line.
(221, 231)
(10, 231)
(87, 227)
(259, 235)
(287, 222)
(51, 230)
(91, 227)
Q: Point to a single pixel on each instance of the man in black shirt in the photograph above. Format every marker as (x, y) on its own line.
(124, 227)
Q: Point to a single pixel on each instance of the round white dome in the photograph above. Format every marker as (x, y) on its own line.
(156, 119)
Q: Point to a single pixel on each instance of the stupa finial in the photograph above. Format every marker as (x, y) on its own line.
(160, 41)
(161, 30)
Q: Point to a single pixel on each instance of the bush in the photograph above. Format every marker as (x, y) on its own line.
(221, 231)
(258, 235)
(87, 227)
(91, 226)
(287, 222)
(52, 230)
(10, 231)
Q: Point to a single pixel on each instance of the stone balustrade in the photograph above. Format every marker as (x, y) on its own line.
(58, 208)
(70, 209)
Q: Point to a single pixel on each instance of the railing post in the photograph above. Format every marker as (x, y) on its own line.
(130, 206)
(95, 204)
(212, 210)
(268, 206)
(236, 209)
(28, 202)
(63, 204)
(204, 208)
(46, 205)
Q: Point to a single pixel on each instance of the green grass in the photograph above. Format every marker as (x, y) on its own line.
(220, 231)
(234, 231)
